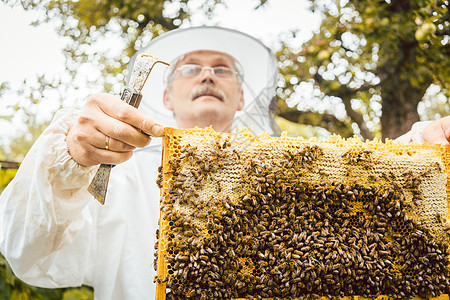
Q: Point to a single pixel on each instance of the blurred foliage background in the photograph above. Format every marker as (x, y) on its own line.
(373, 68)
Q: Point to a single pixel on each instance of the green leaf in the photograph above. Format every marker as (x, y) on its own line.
(78, 294)
(19, 295)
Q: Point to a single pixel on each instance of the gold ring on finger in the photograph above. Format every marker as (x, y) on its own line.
(107, 142)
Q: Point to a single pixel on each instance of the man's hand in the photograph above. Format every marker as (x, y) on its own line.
(438, 132)
(108, 121)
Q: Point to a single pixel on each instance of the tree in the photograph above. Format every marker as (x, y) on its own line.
(369, 55)
(373, 60)
(131, 23)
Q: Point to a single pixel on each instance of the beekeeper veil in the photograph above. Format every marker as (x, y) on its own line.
(258, 68)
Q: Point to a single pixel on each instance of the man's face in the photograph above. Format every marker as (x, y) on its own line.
(205, 99)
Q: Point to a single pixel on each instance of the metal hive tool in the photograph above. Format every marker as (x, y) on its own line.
(131, 95)
(256, 217)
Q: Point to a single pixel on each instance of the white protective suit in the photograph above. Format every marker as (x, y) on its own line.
(54, 234)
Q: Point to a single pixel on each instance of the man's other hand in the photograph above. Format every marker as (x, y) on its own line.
(108, 130)
(438, 132)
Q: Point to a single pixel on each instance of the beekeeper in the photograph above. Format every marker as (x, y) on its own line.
(54, 234)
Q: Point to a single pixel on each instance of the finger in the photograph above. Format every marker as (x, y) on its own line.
(120, 133)
(438, 132)
(120, 110)
(96, 119)
(445, 125)
(86, 153)
(103, 156)
(102, 141)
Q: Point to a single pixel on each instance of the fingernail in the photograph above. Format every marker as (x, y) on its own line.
(157, 130)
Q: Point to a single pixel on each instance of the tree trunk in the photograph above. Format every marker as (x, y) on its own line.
(400, 97)
(400, 100)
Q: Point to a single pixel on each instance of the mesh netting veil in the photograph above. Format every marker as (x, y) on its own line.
(259, 73)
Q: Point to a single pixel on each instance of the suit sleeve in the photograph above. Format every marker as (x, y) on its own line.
(47, 223)
(415, 134)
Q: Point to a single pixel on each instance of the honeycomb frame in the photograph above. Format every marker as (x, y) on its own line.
(359, 165)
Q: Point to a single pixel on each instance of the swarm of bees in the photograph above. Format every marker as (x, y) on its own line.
(294, 220)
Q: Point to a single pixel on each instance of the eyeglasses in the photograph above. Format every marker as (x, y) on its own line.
(191, 70)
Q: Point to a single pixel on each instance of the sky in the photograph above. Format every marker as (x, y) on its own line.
(29, 50)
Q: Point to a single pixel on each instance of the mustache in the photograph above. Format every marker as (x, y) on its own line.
(207, 89)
